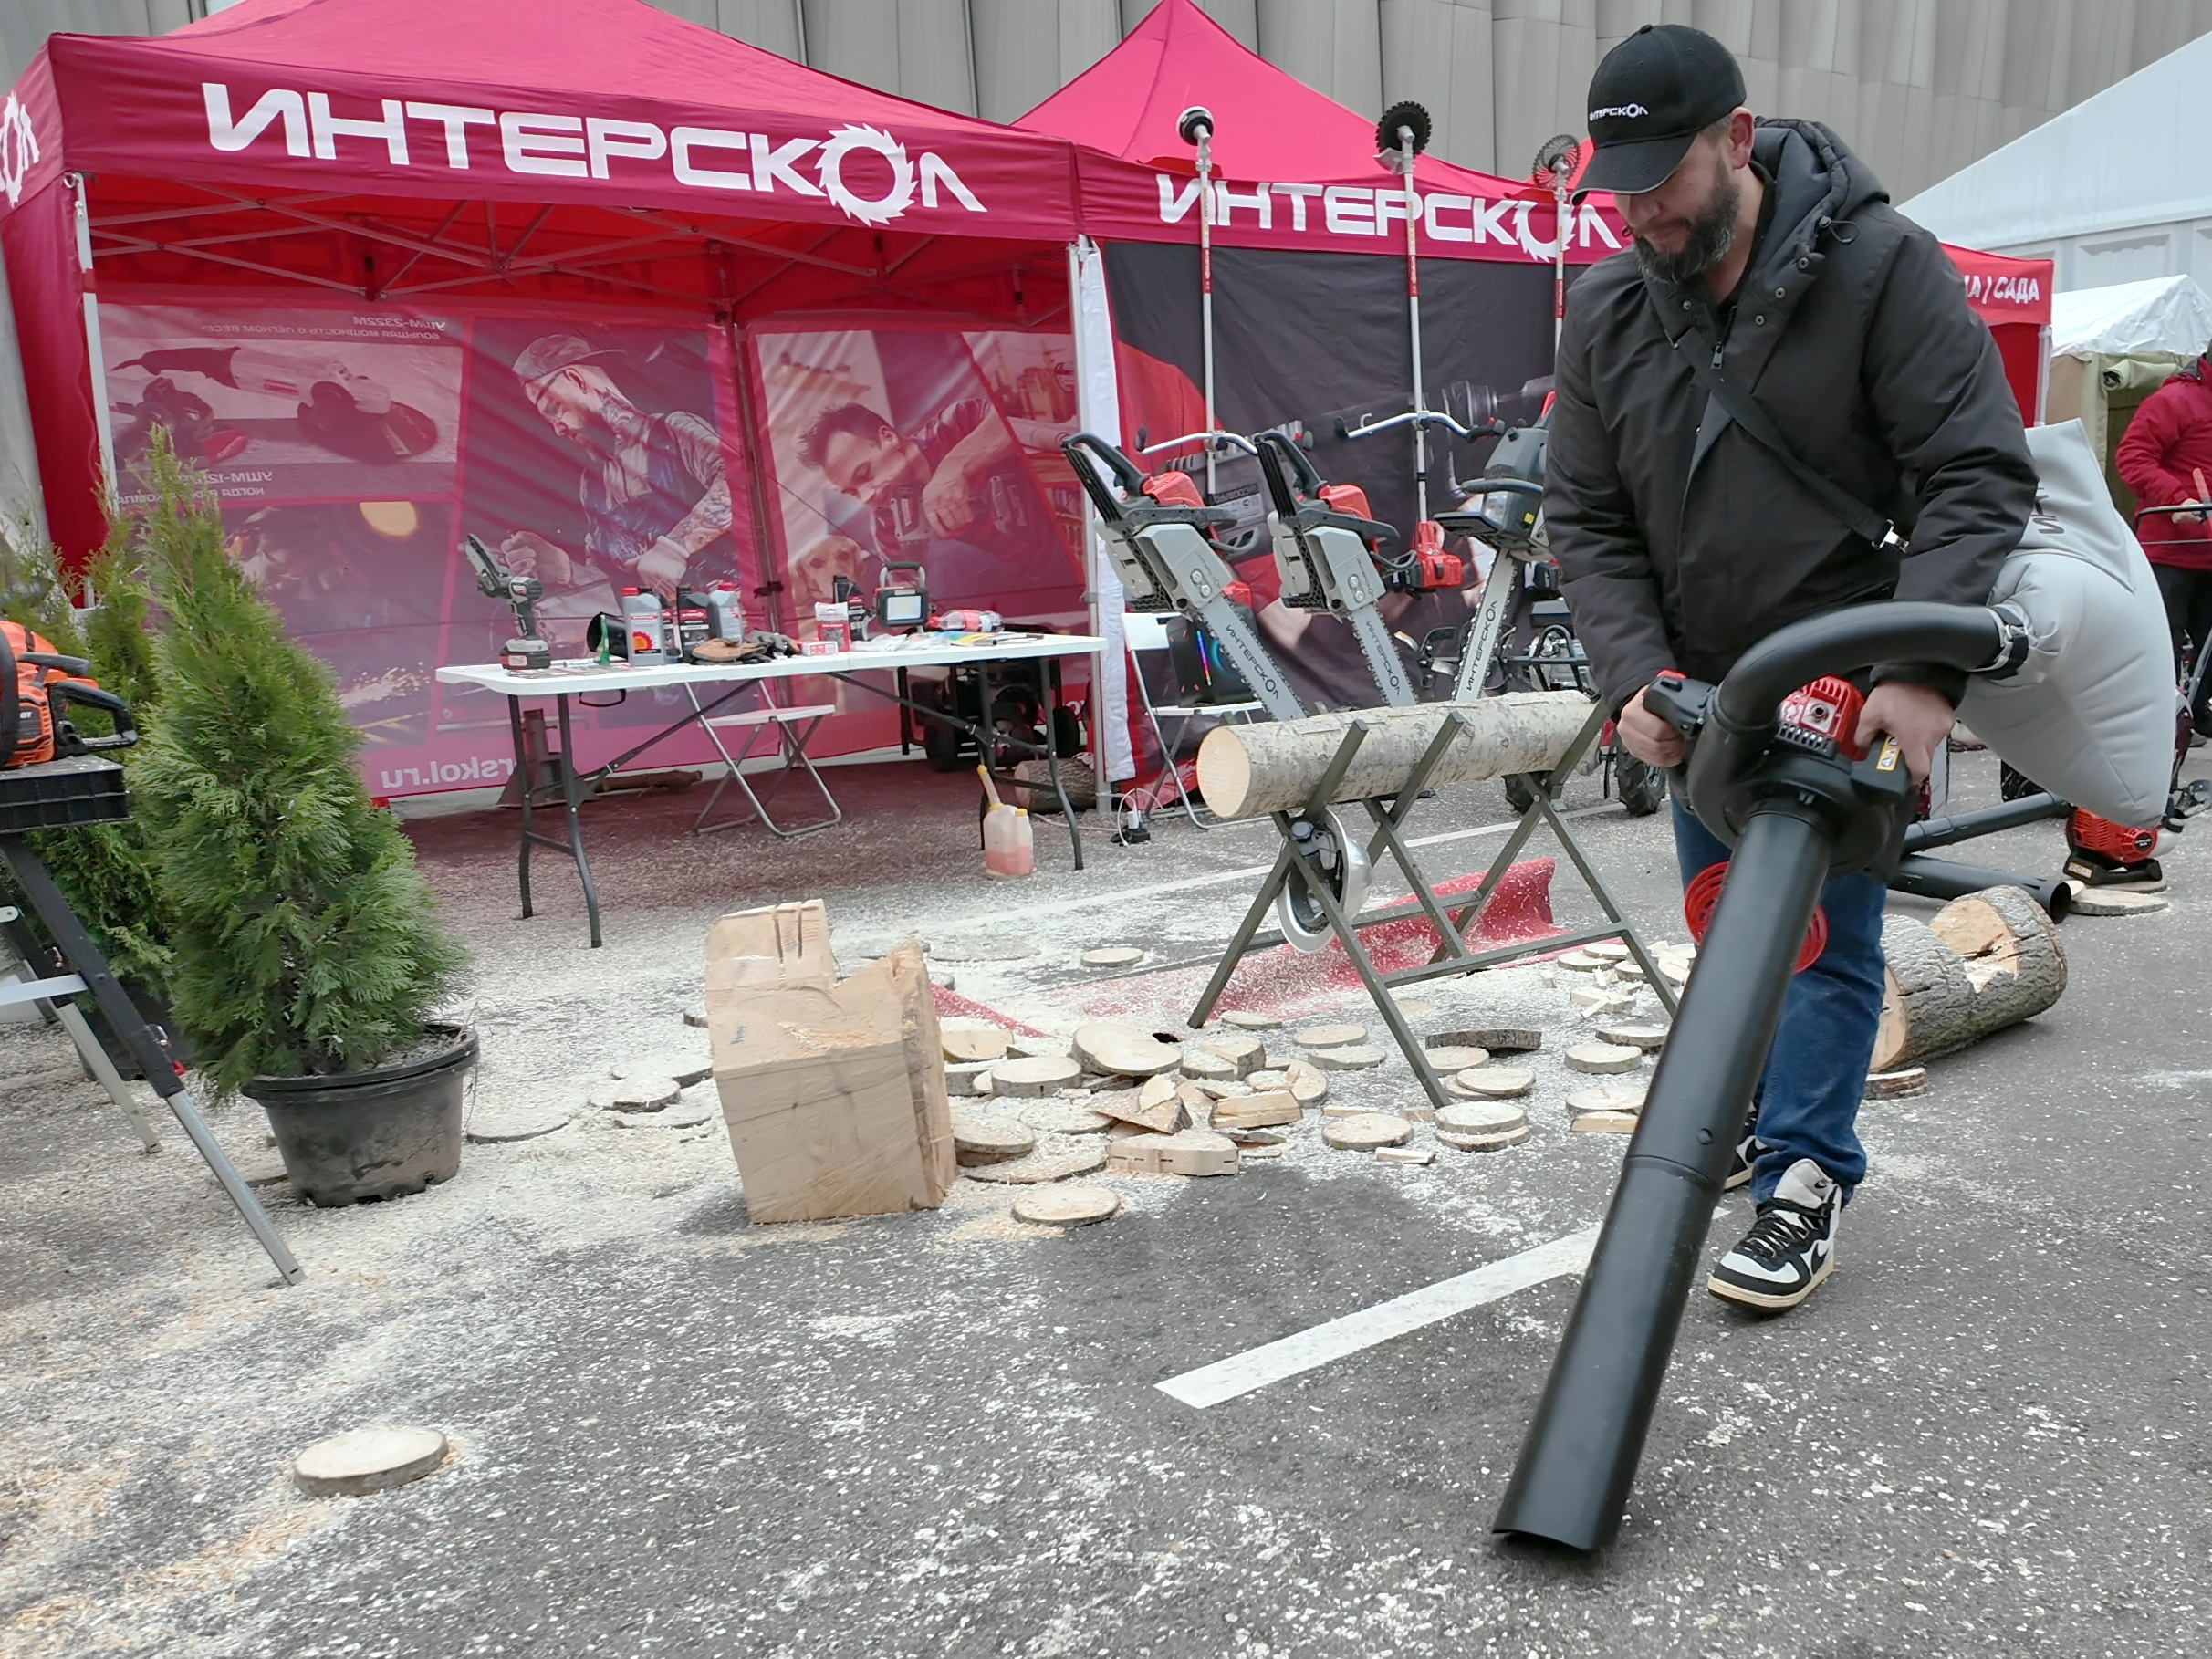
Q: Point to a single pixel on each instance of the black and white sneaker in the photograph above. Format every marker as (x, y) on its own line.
(1789, 1249)
(1739, 1166)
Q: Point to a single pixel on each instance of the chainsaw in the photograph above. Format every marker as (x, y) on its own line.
(36, 684)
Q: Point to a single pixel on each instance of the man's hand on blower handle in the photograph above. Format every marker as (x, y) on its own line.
(1916, 717)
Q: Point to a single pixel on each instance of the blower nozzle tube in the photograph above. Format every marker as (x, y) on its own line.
(1575, 1471)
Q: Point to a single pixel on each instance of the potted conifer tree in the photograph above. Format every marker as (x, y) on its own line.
(307, 958)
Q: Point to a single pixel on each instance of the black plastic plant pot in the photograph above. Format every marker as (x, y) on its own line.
(380, 1134)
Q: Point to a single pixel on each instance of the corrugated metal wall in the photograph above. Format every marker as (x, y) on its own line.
(1920, 88)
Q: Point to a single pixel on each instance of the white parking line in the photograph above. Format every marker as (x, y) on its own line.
(1309, 1350)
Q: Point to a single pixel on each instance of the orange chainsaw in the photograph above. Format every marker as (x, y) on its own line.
(36, 684)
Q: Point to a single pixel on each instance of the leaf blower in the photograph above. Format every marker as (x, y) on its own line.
(36, 684)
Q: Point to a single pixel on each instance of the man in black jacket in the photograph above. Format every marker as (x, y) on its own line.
(1768, 251)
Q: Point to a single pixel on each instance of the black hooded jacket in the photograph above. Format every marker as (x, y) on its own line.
(1681, 547)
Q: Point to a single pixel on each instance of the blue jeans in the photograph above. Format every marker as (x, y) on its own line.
(1807, 1098)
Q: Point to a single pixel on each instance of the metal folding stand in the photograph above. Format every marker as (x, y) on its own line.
(59, 795)
(1296, 864)
(22, 984)
(793, 727)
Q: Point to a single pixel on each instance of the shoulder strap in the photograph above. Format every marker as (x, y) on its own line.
(1744, 409)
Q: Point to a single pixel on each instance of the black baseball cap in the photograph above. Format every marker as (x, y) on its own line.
(1653, 94)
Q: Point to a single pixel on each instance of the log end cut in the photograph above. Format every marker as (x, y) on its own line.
(1983, 962)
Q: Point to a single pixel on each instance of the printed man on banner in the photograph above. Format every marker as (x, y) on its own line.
(953, 495)
(653, 490)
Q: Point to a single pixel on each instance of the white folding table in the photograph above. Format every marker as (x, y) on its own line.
(891, 655)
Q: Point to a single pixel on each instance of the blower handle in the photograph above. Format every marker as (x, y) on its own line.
(1738, 719)
(85, 694)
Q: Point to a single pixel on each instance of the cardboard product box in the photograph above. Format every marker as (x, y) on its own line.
(833, 1089)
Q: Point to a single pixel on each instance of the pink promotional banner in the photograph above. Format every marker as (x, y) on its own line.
(920, 447)
(350, 447)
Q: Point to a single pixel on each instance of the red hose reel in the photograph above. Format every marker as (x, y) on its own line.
(1704, 892)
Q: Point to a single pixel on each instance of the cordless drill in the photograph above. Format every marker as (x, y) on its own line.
(494, 580)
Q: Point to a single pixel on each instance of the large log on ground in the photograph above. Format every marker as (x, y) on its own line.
(1246, 770)
(1981, 964)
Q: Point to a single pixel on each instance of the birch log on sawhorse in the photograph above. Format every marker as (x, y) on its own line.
(1246, 771)
(1979, 964)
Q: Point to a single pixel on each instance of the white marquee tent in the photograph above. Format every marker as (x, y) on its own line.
(2116, 190)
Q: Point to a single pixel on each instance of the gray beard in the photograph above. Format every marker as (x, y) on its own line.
(1712, 234)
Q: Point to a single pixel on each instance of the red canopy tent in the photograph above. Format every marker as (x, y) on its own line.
(1297, 175)
(1298, 168)
(374, 180)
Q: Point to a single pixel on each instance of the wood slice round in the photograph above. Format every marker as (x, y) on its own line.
(683, 1114)
(1367, 1132)
(1221, 1088)
(1122, 1050)
(1113, 955)
(1612, 1097)
(1580, 962)
(1498, 1039)
(367, 1460)
(644, 1093)
(990, 1140)
(686, 1066)
(970, 1079)
(1479, 1118)
(1240, 1049)
(1632, 971)
(1456, 1056)
(1033, 1077)
(1607, 950)
(1066, 1206)
(965, 1043)
(2116, 901)
(1604, 1124)
(1329, 1036)
(1200, 1062)
(493, 1125)
(1632, 1035)
(1064, 1118)
(1357, 1057)
(1603, 1057)
(1493, 1082)
(1054, 1159)
(1482, 1141)
(1246, 1019)
(1306, 1084)
(1896, 1085)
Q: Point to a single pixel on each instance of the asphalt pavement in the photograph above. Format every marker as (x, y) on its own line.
(939, 1434)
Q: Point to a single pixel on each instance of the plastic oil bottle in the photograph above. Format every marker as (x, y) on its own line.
(1009, 847)
(648, 624)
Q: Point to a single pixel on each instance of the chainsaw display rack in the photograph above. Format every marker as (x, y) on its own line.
(88, 790)
(1164, 555)
(1296, 864)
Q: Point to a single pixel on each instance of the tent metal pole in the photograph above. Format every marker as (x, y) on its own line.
(98, 361)
(1205, 288)
(1412, 314)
